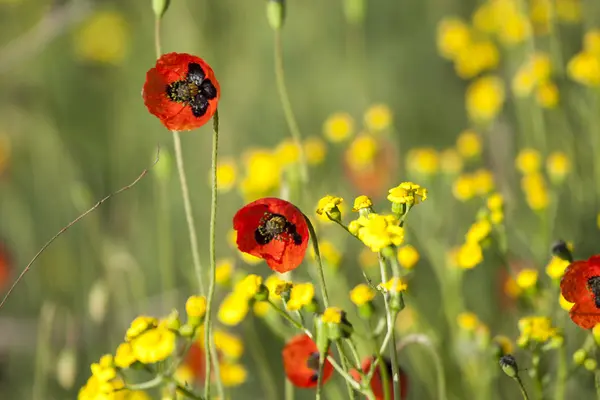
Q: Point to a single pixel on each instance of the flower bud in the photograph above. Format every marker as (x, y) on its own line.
(354, 10)
(579, 356)
(322, 339)
(160, 7)
(172, 322)
(590, 364)
(509, 365)
(276, 13)
(66, 368)
(262, 294)
(187, 330)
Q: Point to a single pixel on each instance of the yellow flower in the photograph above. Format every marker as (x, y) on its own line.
(536, 193)
(408, 193)
(226, 175)
(367, 259)
(591, 42)
(528, 161)
(332, 315)
(154, 345)
(504, 343)
(124, 355)
(249, 286)
(315, 150)
(556, 267)
(233, 309)
(495, 202)
(564, 304)
(362, 294)
(476, 58)
(223, 271)
(450, 162)
(377, 231)
(485, 18)
(558, 166)
(104, 369)
(195, 306)
(483, 181)
(467, 321)
(272, 282)
(362, 152)
(301, 295)
(527, 278)
(515, 29)
(479, 231)
(541, 12)
(103, 38)
(408, 256)
(328, 204)
(511, 288)
(469, 144)
(523, 82)
(232, 374)
(95, 389)
(463, 187)
(287, 152)
(424, 161)
(378, 117)
(140, 325)
(338, 127)
(261, 308)
(541, 66)
(329, 253)
(469, 255)
(262, 173)
(230, 346)
(396, 285)
(584, 68)
(453, 36)
(362, 202)
(568, 10)
(547, 95)
(484, 98)
(537, 329)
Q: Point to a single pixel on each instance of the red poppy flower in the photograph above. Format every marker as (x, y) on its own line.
(274, 230)
(195, 360)
(301, 362)
(377, 382)
(182, 91)
(5, 265)
(581, 285)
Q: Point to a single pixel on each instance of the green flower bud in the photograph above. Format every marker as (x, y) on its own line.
(322, 338)
(354, 10)
(590, 364)
(509, 365)
(262, 294)
(173, 322)
(579, 356)
(276, 13)
(187, 330)
(160, 7)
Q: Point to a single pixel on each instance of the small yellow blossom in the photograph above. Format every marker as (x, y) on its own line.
(332, 315)
(541, 14)
(287, 152)
(556, 267)
(584, 68)
(479, 231)
(223, 271)
(232, 374)
(249, 286)
(536, 192)
(396, 285)
(537, 329)
(484, 98)
(558, 166)
(515, 29)
(272, 282)
(328, 204)
(154, 345)
(140, 325)
(568, 10)
(229, 345)
(407, 193)
(564, 304)
(262, 173)
(233, 309)
(511, 288)
(469, 255)
(377, 231)
(453, 36)
(302, 294)
(451, 162)
(424, 161)
(476, 58)
(467, 321)
(361, 202)
(362, 294)
(469, 144)
(547, 95)
(195, 306)
(226, 175)
(591, 42)
(103, 38)
(408, 256)
(261, 308)
(495, 202)
(362, 152)
(124, 355)
(528, 161)
(541, 66)
(523, 82)
(378, 117)
(485, 18)
(315, 150)
(483, 181)
(329, 253)
(463, 187)
(338, 127)
(527, 278)
(104, 369)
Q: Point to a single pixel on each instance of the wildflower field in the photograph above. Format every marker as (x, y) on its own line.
(287, 200)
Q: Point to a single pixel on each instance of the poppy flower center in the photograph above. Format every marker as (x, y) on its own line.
(276, 227)
(312, 362)
(195, 90)
(593, 285)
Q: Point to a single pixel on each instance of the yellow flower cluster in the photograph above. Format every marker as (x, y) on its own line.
(535, 329)
(423, 161)
(536, 75)
(407, 193)
(533, 183)
(377, 231)
(467, 321)
(394, 285)
(468, 185)
(328, 204)
(236, 304)
(527, 279)
(484, 99)
(584, 67)
(301, 295)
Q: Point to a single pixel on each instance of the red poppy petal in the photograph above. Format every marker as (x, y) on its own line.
(296, 354)
(195, 360)
(585, 314)
(377, 381)
(573, 284)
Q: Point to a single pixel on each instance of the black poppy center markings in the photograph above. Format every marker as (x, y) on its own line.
(194, 90)
(313, 364)
(593, 285)
(276, 227)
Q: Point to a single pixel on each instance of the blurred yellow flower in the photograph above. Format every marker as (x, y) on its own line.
(584, 68)
(124, 355)
(451, 162)
(523, 82)
(232, 374)
(537, 329)
(223, 271)
(504, 343)
(469, 144)
(479, 231)
(536, 192)
(287, 152)
(467, 321)
(483, 181)
(408, 256)
(261, 308)
(408, 193)
(547, 95)
(272, 282)
(103, 38)
(249, 286)
(495, 202)
(332, 315)
(396, 285)
(558, 166)
(362, 152)
(511, 288)
(591, 42)
(329, 253)
(378, 117)
(541, 13)
(139, 325)
(485, 17)
(541, 66)
(226, 175)
(362, 294)
(233, 309)
(453, 36)
(361, 202)
(476, 58)
(527, 278)
(528, 161)
(564, 304)
(338, 127)
(556, 267)
(229, 345)
(377, 231)
(154, 345)
(315, 150)
(302, 294)
(195, 306)
(484, 98)
(568, 10)
(262, 170)
(463, 187)
(469, 255)
(424, 161)
(515, 29)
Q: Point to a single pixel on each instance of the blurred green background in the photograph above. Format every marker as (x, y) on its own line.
(73, 128)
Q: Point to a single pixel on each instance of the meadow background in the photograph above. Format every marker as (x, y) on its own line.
(73, 128)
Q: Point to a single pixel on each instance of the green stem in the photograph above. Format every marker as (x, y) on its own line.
(597, 383)
(289, 390)
(257, 351)
(285, 315)
(44, 346)
(315, 244)
(287, 105)
(561, 375)
(354, 351)
(320, 375)
(390, 317)
(209, 343)
(521, 388)
(437, 360)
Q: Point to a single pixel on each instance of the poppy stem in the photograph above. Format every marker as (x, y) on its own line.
(289, 318)
(208, 337)
(157, 42)
(290, 118)
(320, 375)
(437, 360)
(315, 244)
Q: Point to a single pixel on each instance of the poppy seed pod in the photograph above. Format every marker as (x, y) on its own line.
(276, 13)
(160, 7)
